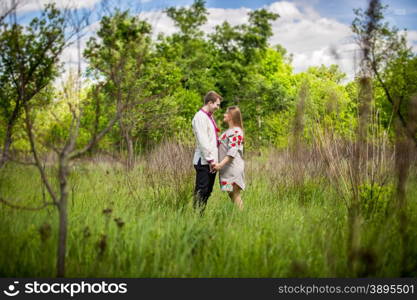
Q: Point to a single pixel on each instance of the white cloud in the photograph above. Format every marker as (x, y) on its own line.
(35, 5)
(412, 39)
(286, 10)
(311, 38)
(159, 21)
(412, 35)
(218, 15)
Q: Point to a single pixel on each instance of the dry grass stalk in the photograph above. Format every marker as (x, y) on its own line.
(170, 162)
(298, 147)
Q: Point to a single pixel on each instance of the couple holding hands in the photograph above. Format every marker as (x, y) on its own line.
(218, 153)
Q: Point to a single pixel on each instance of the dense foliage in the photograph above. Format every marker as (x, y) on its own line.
(124, 63)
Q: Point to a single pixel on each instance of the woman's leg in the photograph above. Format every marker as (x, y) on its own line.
(235, 196)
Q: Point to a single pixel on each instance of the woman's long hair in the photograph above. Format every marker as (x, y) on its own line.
(236, 115)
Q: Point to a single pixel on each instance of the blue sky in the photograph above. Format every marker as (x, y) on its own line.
(402, 12)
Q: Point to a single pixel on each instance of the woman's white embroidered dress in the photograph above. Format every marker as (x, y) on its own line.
(231, 143)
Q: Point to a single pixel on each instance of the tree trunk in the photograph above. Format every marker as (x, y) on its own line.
(403, 154)
(63, 215)
(129, 144)
(6, 145)
(8, 137)
(358, 161)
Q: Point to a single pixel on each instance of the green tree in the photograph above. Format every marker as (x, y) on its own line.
(28, 63)
(189, 20)
(239, 49)
(268, 91)
(390, 60)
(329, 104)
(121, 60)
(188, 49)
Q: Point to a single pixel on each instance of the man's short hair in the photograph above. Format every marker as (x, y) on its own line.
(212, 97)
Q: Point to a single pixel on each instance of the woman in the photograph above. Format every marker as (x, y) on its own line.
(231, 165)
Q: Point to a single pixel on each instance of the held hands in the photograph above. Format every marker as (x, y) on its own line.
(212, 167)
(220, 165)
(216, 167)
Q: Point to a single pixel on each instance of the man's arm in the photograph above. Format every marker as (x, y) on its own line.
(200, 131)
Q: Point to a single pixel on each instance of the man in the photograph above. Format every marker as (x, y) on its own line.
(206, 152)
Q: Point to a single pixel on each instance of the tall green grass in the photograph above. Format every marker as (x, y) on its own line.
(157, 233)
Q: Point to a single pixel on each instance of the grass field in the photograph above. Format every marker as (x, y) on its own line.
(141, 224)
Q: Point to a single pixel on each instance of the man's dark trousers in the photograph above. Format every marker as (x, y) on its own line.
(204, 182)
